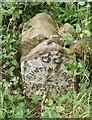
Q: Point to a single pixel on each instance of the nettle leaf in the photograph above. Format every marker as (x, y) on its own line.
(6, 64)
(6, 92)
(87, 32)
(20, 12)
(2, 42)
(7, 37)
(17, 14)
(81, 35)
(78, 28)
(68, 40)
(10, 55)
(12, 41)
(10, 71)
(15, 80)
(14, 62)
(88, 6)
(6, 84)
(11, 10)
(9, 47)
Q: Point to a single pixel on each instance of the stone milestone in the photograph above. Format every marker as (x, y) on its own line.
(36, 30)
(43, 66)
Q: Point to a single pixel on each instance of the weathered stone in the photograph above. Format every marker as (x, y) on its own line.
(43, 57)
(67, 28)
(43, 70)
(77, 48)
(36, 30)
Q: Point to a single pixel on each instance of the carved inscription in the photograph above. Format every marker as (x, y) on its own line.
(47, 73)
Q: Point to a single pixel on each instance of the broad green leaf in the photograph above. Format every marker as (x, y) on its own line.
(78, 28)
(81, 35)
(12, 41)
(10, 70)
(81, 3)
(15, 80)
(87, 32)
(14, 62)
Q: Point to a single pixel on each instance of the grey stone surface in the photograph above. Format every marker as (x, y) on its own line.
(43, 64)
(65, 29)
(36, 30)
(44, 71)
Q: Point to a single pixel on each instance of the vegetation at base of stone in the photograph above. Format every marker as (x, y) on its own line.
(13, 103)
